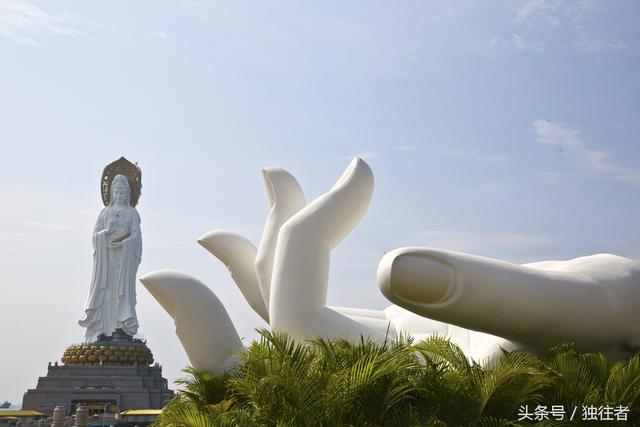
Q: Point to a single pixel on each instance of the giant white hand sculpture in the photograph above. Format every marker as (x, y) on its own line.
(299, 283)
(592, 300)
(286, 280)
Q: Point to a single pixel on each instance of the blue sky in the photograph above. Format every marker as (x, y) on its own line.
(501, 128)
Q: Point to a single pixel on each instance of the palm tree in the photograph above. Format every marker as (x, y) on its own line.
(281, 382)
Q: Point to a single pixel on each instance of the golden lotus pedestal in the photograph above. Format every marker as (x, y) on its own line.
(108, 354)
(111, 375)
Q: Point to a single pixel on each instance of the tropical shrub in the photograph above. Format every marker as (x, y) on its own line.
(281, 382)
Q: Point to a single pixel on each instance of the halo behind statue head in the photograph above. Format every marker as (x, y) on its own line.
(124, 167)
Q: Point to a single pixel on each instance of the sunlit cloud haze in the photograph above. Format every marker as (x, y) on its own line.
(507, 129)
(569, 139)
(26, 23)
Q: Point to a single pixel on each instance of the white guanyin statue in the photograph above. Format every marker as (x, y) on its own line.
(117, 243)
(480, 304)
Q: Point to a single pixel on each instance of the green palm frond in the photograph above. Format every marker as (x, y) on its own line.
(203, 387)
(563, 423)
(327, 383)
(510, 382)
(372, 382)
(278, 380)
(494, 422)
(184, 413)
(623, 385)
(441, 351)
(576, 381)
(598, 365)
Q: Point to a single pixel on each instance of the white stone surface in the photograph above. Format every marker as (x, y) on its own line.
(479, 303)
(202, 323)
(117, 245)
(239, 255)
(592, 300)
(285, 199)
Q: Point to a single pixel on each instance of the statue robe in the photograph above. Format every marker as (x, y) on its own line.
(112, 296)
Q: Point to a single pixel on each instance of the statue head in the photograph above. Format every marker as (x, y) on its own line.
(120, 190)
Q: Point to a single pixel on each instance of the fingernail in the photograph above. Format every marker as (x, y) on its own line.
(419, 278)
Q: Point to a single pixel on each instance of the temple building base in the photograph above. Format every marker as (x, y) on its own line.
(106, 376)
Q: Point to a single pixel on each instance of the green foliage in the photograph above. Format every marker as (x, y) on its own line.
(280, 382)
(202, 387)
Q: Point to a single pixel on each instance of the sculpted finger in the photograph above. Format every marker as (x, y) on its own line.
(285, 199)
(563, 301)
(238, 254)
(332, 216)
(202, 323)
(301, 265)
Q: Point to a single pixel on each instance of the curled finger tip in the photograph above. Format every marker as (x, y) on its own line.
(362, 169)
(149, 278)
(268, 178)
(202, 241)
(358, 174)
(283, 188)
(266, 175)
(160, 277)
(355, 163)
(279, 177)
(359, 163)
(270, 170)
(210, 239)
(208, 236)
(168, 285)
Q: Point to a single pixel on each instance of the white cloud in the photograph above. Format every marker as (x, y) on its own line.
(364, 154)
(472, 155)
(545, 25)
(594, 45)
(533, 8)
(158, 35)
(481, 242)
(571, 141)
(552, 134)
(550, 11)
(516, 43)
(522, 44)
(25, 23)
